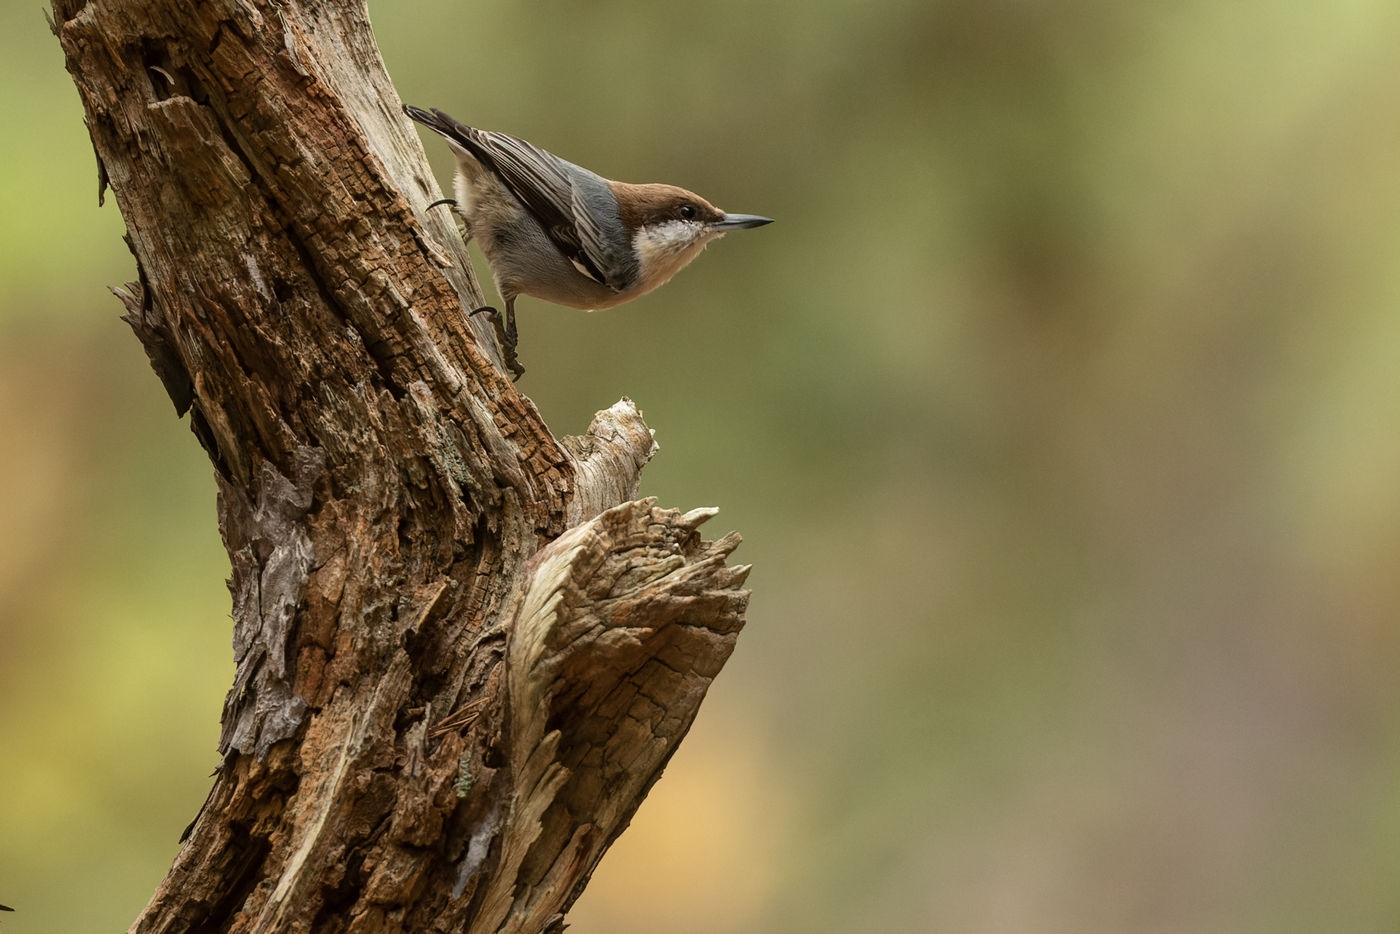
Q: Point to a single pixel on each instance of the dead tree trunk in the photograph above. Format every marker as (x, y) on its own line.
(464, 655)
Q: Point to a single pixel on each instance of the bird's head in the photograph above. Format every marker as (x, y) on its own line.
(670, 226)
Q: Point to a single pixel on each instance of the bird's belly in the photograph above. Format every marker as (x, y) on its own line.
(541, 271)
(574, 290)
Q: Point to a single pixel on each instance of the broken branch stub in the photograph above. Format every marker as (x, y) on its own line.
(619, 628)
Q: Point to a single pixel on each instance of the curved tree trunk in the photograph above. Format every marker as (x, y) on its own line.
(464, 654)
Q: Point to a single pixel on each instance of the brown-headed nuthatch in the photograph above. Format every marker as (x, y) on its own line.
(559, 232)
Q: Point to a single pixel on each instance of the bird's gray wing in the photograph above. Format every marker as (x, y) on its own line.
(543, 183)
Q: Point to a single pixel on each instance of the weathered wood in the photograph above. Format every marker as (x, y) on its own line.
(464, 654)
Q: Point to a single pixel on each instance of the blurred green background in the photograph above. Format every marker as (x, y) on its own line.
(1060, 412)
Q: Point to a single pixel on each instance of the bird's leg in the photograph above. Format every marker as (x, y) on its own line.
(509, 339)
(511, 332)
(506, 334)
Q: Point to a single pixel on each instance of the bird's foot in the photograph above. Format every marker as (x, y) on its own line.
(505, 333)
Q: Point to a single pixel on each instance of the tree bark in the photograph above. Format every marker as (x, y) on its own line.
(464, 652)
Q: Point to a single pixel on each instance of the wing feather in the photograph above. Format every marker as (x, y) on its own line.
(542, 181)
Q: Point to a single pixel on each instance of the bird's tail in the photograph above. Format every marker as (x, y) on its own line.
(443, 125)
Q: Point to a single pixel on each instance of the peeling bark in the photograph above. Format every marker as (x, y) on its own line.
(464, 651)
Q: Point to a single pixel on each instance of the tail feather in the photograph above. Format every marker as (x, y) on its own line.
(443, 125)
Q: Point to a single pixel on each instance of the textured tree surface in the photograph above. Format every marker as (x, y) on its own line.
(464, 652)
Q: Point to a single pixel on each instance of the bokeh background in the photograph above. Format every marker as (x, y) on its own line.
(1060, 412)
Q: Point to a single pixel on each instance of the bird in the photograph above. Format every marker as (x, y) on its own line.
(558, 232)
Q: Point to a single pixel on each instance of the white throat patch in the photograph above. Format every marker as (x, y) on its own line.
(666, 248)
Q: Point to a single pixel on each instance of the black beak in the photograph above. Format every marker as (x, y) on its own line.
(739, 222)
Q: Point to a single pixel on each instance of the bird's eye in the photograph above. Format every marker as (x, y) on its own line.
(687, 212)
